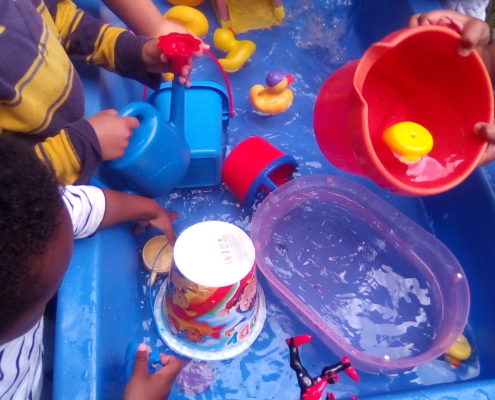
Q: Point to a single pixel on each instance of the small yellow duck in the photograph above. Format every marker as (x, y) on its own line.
(190, 18)
(276, 97)
(460, 351)
(238, 51)
(409, 141)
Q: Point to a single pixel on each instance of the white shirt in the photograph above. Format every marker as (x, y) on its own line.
(21, 368)
(475, 8)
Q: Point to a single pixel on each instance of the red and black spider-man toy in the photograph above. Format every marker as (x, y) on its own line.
(313, 388)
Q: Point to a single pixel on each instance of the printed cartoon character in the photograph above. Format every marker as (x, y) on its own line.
(195, 300)
(244, 298)
(313, 388)
(195, 331)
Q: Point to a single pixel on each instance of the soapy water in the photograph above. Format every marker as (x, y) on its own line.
(365, 290)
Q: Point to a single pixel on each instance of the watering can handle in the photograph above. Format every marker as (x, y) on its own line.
(148, 122)
(139, 109)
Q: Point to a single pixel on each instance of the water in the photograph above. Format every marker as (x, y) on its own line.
(357, 283)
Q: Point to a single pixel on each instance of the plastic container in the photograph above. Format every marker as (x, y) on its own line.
(211, 307)
(369, 281)
(416, 75)
(207, 115)
(157, 156)
(256, 164)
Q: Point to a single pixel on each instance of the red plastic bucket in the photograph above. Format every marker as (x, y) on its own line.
(414, 74)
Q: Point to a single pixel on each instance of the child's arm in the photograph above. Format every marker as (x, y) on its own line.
(157, 386)
(78, 149)
(143, 17)
(92, 208)
(123, 207)
(90, 40)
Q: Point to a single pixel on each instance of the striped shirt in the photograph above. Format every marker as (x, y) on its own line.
(41, 95)
(21, 368)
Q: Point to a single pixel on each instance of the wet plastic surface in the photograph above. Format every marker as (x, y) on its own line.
(369, 281)
(103, 304)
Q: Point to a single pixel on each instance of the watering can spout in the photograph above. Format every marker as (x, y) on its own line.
(177, 106)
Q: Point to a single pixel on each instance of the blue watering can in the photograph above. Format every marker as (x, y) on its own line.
(158, 156)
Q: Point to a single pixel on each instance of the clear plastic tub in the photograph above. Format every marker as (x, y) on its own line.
(371, 282)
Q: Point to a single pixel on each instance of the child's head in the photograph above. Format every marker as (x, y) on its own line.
(35, 238)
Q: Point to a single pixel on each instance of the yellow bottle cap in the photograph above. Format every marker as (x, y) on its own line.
(409, 140)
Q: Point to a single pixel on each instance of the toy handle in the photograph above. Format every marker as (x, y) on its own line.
(154, 363)
(148, 122)
(226, 80)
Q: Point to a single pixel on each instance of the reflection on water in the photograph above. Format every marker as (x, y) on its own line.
(364, 289)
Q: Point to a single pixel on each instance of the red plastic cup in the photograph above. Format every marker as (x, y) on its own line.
(256, 164)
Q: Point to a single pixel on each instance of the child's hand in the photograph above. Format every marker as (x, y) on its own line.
(486, 131)
(157, 386)
(161, 219)
(475, 33)
(113, 132)
(169, 26)
(156, 62)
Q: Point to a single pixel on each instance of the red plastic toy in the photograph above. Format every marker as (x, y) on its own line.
(179, 48)
(256, 164)
(313, 388)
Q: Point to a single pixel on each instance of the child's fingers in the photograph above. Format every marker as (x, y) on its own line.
(168, 230)
(486, 131)
(475, 33)
(132, 122)
(171, 367)
(141, 361)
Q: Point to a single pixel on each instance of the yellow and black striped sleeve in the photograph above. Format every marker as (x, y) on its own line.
(92, 41)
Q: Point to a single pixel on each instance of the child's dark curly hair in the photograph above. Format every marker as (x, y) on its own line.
(30, 209)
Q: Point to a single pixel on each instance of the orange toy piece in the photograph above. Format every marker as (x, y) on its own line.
(276, 97)
(238, 51)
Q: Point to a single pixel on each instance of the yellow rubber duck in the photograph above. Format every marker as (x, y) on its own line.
(238, 51)
(460, 351)
(190, 18)
(190, 3)
(276, 97)
(408, 140)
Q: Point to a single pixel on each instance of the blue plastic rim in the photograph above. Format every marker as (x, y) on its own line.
(264, 179)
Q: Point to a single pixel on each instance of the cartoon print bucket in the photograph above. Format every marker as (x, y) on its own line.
(211, 306)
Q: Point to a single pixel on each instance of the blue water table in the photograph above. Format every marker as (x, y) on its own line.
(103, 305)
